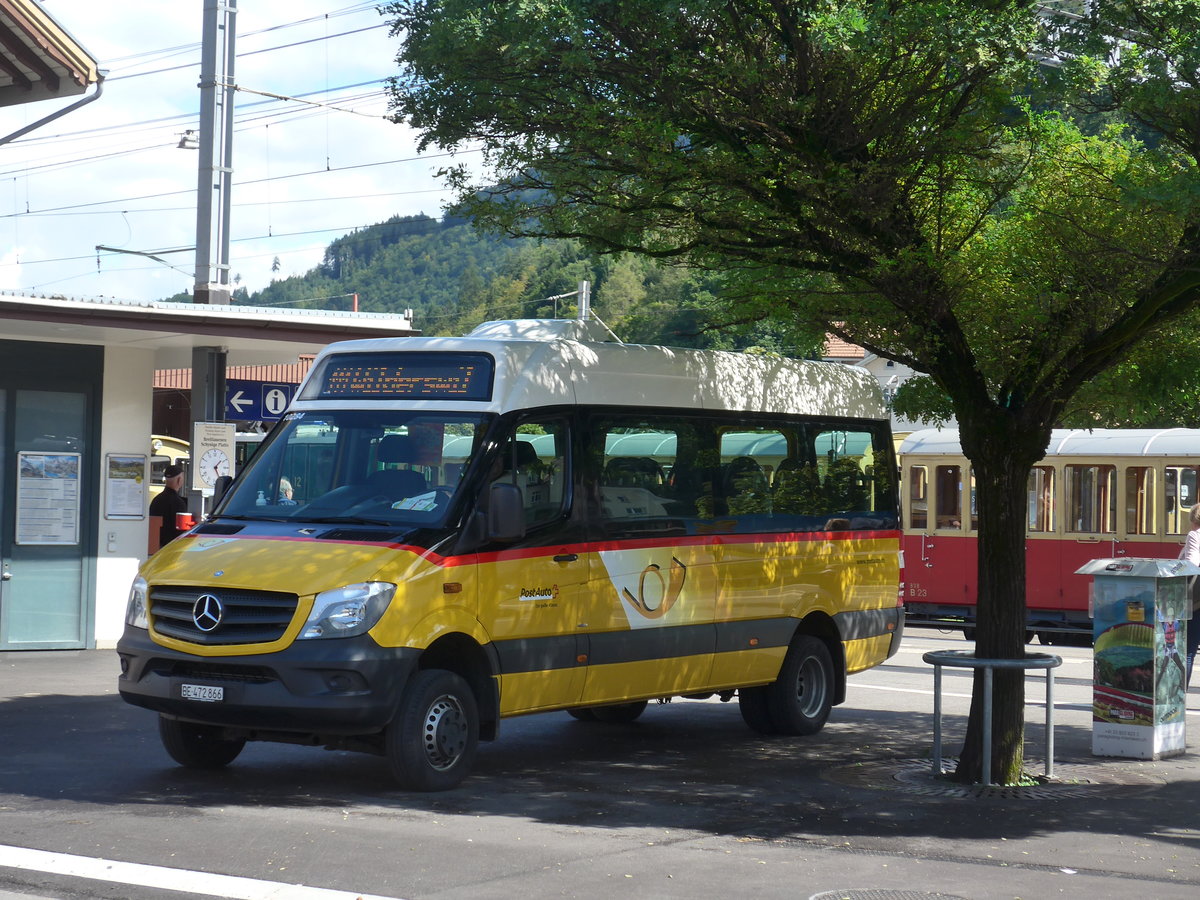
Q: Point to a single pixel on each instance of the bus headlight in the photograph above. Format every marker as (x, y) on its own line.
(137, 610)
(348, 611)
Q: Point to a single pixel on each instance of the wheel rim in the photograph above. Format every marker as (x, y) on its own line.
(445, 733)
(811, 688)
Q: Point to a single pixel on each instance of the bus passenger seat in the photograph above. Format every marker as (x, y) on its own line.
(633, 471)
(744, 475)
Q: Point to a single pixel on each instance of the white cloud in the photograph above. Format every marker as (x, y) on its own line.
(111, 174)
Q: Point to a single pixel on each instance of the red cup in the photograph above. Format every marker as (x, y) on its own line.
(185, 521)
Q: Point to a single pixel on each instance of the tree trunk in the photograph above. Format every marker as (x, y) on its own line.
(1001, 462)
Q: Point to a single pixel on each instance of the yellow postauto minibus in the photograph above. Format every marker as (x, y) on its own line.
(445, 532)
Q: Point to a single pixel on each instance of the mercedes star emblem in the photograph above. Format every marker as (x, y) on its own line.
(207, 612)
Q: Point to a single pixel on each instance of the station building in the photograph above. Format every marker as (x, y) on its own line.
(76, 404)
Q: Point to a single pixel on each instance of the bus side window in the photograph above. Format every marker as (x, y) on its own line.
(1041, 499)
(537, 460)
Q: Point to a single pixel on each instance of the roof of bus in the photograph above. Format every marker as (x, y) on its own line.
(536, 368)
(1075, 442)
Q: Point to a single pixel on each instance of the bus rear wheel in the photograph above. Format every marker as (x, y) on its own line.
(196, 746)
(800, 699)
(432, 740)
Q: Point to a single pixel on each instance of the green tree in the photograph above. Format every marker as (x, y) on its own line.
(912, 176)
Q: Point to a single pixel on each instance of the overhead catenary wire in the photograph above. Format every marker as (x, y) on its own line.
(161, 194)
(104, 147)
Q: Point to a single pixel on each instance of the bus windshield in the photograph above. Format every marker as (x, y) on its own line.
(386, 467)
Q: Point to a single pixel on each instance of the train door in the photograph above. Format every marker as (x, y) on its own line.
(1089, 525)
(940, 556)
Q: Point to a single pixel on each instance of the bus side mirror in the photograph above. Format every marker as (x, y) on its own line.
(506, 513)
(222, 485)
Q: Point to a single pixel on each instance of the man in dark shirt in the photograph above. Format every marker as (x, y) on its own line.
(167, 504)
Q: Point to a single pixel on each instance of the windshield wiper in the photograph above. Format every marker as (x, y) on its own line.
(352, 520)
(251, 518)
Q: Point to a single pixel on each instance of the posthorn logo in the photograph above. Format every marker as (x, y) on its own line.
(207, 612)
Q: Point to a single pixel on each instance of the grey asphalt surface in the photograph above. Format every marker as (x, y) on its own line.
(683, 803)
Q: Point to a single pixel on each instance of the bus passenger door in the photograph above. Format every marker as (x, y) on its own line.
(651, 600)
(531, 591)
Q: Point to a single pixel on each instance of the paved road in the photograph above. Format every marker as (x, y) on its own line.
(684, 803)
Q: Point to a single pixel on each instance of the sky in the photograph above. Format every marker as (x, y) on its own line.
(112, 173)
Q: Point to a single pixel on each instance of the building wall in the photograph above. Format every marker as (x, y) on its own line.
(125, 428)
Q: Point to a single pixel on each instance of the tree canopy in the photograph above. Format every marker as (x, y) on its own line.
(1000, 194)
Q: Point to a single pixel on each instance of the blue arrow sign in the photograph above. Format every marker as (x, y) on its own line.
(256, 401)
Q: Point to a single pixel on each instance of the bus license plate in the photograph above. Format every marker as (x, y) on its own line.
(204, 692)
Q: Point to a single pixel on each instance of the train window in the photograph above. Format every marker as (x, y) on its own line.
(918, 497)
(1139, 500)
(948, 496)
(1091, 498)
(1041, 499)
(1180, 494)
(972, 500)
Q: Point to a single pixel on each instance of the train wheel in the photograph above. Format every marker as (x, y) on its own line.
(431, 742)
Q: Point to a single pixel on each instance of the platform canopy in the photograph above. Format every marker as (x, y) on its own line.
(39, 60)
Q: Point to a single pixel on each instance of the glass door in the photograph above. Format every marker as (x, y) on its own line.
(42, 519)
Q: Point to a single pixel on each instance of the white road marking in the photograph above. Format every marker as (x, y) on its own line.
(180, 880)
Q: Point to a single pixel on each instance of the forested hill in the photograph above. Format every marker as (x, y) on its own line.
(453, 277)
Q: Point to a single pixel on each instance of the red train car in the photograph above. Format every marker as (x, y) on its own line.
(1097, 494)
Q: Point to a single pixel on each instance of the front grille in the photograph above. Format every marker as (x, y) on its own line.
(246, 617)
(210, 673)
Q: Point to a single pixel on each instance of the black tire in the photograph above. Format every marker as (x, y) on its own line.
(582, 713)
(196, 746)
(800, 700)
(753, 704)
(432, 741)
(619, 713)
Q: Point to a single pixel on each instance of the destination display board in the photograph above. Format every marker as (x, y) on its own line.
(408, 376)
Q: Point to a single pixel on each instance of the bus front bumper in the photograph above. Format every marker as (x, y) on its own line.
(346, 686)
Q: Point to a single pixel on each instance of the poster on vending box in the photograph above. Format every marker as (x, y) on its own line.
(1138, 707)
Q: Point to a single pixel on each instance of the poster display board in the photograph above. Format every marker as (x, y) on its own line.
(125, 480)
(47, 497)
(1140, 609)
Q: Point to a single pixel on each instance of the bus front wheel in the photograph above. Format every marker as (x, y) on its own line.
(197, 746)
(800, 699)
(431, 742)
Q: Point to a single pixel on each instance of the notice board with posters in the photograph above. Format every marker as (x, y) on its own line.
(48, 497)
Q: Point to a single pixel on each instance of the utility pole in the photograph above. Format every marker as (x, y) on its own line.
(215, 178)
